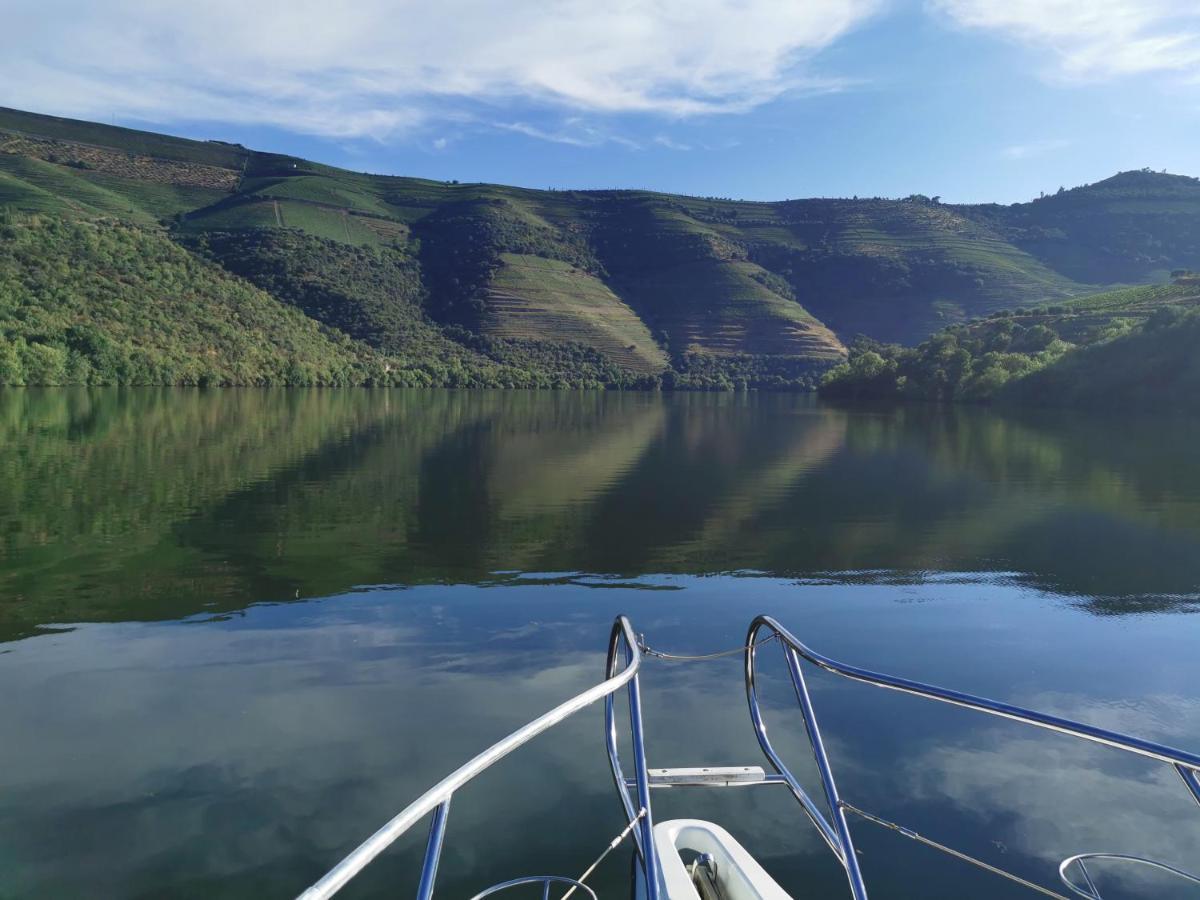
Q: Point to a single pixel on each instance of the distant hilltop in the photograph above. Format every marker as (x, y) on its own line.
(136, 257)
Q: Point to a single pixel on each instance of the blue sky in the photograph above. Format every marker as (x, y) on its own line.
(972, 100)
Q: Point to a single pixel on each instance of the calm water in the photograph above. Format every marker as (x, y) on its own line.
(241, 629)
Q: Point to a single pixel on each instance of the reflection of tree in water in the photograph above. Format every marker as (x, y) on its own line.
(144, 504)
(94, 481)
(1103, 507)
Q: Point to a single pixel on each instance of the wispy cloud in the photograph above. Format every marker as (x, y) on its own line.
(1034, 148)
(377, 67)
(573, 132)
(1092, 38)
(663, 141)
(542, 135)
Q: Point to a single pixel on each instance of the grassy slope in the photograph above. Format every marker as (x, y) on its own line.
(718, 278)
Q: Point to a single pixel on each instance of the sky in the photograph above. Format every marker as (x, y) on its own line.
(969, 100)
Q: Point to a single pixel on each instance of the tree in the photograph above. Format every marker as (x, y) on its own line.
(12, 370)
(44, 364)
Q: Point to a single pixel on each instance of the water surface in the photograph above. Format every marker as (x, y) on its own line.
(240, 629)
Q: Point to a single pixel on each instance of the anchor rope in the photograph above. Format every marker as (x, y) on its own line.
(612, 845)
(678, 657)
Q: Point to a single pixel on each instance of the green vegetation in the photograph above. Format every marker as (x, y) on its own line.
(374, 294)
(1120, 347)
(371, 294)
(1153, 366)
(745, 371)
(101, 302)
(109, 303)
(421, 282)
(949, 366)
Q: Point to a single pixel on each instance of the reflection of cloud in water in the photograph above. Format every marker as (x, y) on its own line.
(257, 751)
(244, 756)
(1051, 796)
(147, 741)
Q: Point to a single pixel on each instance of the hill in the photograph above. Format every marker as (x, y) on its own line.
(1154, 366)
(144, 311)
(486, 284)
(1134, 227)
(1123, 347)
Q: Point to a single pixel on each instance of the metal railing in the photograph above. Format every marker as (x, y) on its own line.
(546, 881)
(437, 799)
(639, 816)
(837, 833)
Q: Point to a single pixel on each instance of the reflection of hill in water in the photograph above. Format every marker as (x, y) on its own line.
(160, 504)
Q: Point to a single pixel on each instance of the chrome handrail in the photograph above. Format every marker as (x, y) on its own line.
(837, 834)
(639, 816)
(547, 881)
(1088, 890)
(438, 797)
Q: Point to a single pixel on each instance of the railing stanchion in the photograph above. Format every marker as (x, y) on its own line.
(643, 830)
(433, 850)
(646, 826)
(1191, 777)
(849, 857)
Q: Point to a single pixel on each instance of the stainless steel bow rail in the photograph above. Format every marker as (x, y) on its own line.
(622, 667)
(837, 833)
(437, 799)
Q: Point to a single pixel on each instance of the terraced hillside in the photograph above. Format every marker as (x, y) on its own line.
(624, 287)
(1133, 227)
(913, 266)
(533, 298)
(695, 284)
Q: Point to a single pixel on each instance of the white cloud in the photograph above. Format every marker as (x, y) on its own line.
(1034, 148)
(380, 66)
(663, 141)
(573, 132)
(1063, 796)
(1093, 38)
